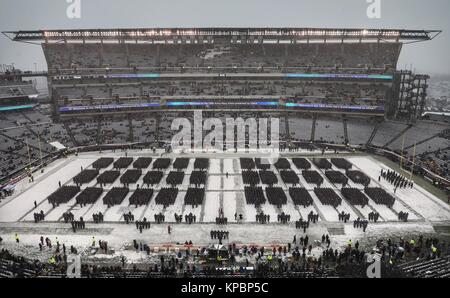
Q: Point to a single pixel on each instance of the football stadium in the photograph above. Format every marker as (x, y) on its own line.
(92, 178)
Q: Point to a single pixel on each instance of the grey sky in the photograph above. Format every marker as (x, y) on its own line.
(430, 57)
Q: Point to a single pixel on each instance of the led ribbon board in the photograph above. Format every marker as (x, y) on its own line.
(331, 106)
(133, 76)
(204, 103)
(289, 75)
(107, 107)
(12, 108)
(339, 76)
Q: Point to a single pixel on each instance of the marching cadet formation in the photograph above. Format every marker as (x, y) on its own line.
(39, 216)
(128, 217)
(262, 218)
(159, 218)
(78, 224)
(190, 218)
(144, 224)
(397, 180)
(219, 235)
(302, 224)
(97, 217)
(68, 216)
(344, 216)
(403, 216)
(313, 217)
(284, 218)
(221, 220)
(361, 223)
(374, 216)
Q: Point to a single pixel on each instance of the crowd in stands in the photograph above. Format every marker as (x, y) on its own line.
(417, 256)
(15, 148)
(261, 57)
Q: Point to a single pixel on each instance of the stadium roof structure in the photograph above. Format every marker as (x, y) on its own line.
(306, 34)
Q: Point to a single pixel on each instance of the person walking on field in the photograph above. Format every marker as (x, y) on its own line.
(169, 229)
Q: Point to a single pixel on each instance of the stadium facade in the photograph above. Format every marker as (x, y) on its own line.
(333, 86)
(273, 69)
(114, 93)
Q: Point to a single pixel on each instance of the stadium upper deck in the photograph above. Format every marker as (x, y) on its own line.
(343, 70)
(231, 33)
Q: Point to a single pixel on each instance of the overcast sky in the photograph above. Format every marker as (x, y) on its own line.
(430, 57)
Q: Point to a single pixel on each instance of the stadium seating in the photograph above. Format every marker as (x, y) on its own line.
(351, 55)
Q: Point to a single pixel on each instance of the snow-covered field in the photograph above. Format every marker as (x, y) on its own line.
(16, 212)
(224, 189)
